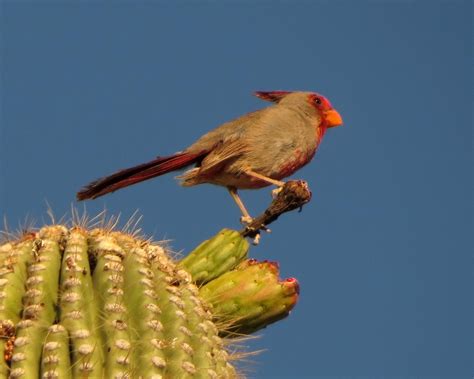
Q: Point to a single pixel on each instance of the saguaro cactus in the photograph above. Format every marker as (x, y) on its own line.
(78, 303)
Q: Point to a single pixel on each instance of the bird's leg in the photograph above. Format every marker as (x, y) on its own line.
(246, 218)
(277, 183)
(275, 192)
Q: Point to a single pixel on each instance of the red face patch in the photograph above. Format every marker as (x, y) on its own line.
(319, 102)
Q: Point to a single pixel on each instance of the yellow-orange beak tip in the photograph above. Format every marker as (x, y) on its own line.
(333, 118)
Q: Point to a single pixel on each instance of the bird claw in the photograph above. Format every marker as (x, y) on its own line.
(246, 220)
(275, 192)
(256, 238)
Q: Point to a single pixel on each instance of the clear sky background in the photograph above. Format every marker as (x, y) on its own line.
(383, 252)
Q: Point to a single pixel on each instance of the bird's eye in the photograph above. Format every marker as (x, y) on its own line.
(317, 100)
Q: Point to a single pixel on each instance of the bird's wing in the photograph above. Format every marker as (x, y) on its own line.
(226, 142)
(223, 153)
(227, 132)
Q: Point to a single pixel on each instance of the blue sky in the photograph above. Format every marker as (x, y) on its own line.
(383, 253)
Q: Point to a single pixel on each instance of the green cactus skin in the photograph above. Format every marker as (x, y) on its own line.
(40, 303)
(215, 256)
(108, 279)
(55, 362)
(145, 312)
(251, 297)
(78, 307)
(14, 259)
(102, 304)
(13, 263)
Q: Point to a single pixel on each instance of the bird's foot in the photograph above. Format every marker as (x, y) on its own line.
(276, 191)
(256, 239)
(246, 220)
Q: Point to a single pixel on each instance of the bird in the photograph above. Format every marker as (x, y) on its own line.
(253, 151)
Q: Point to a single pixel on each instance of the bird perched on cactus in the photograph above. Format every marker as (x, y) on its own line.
(253, 151)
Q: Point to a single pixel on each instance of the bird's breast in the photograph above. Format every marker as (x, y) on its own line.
(299, 159)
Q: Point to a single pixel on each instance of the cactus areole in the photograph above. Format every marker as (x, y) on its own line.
(79, 303)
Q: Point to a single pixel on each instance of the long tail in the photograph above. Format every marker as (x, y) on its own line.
(136, 174)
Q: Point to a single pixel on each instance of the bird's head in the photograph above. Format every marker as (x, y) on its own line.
(309, 102)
